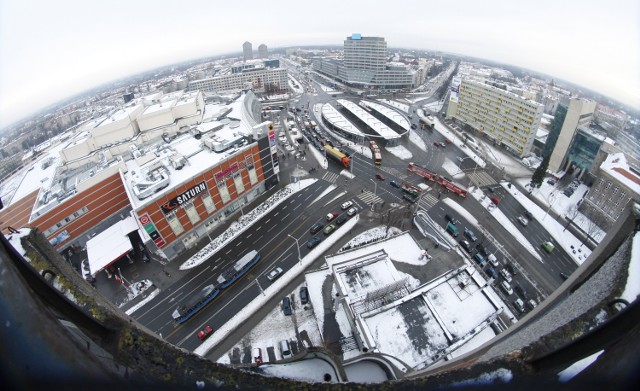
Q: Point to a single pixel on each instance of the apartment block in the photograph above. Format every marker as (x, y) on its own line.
(261, 81)
(509, 119)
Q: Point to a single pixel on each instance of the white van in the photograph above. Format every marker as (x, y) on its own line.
(285, 349)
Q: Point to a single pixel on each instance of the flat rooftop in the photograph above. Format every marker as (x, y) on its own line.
(389, 113)
(371, 121)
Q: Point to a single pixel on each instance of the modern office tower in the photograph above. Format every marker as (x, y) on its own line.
(247, 50)
(507, 118)
(263, 52)
(365, 65)
(565, 123)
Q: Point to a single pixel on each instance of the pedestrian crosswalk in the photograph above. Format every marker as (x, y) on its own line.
(481, 178)
(368, 197)
(395, 172)
(330, 177)
(427, 201)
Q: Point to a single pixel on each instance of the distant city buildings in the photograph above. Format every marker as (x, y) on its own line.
(260, 80)
(247, 51)
(263, 52)
(365, 65)
(507, 118)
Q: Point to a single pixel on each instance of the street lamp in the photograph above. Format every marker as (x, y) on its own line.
(298, 247)
(552, 199)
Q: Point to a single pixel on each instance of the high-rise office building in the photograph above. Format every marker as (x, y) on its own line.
(247, 51)
(365, 65)
(263, 52)
(509, 119)
(563, 128)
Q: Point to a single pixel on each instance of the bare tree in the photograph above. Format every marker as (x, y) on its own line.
(571, 214)
(592, 227)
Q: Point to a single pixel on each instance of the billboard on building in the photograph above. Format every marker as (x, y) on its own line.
(455, 89)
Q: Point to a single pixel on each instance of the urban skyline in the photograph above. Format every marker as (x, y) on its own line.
(591, 44)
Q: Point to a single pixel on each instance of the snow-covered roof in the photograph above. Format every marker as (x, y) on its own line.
(110, 244)
(333, 116)
(375, 124)
(198, 157)
(617, 167)
(389, 113)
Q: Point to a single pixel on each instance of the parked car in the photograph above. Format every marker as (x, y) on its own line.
(505, 274)
(316, 228)
(480, 259)
(519, 304)
(285, 349)
(470, 234)
(304, 295)
(520, 290)
(465, 245)
(332, 215)
(275, 273)
(523, 221)
(449, 219)
(506, 288)
(395, 184)
(436, 143)
(493, 260)
(564, 276)
(413, 126)
(452, 229)
(352, 211)
(511, 268)
(531, 304)
(491, 272)
(257, 355)
(205, 333)
(346, 205)
(311, 243)
(341, 219)
(286, 306)
(380, 177)
(329, 229)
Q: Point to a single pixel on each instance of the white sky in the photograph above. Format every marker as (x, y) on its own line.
(50, 50)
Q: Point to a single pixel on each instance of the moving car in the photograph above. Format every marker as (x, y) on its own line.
(449, 219)
(470, 234)
(495, 200)
(205, 333)
(316, 228)
(346, 205)
(329, 229)
(311, 243)
(286, 306)
(532, 304)
(275, 273)
(380, 177)
(304, 295)
(257, 355)
(352, 211)
(548, 247)
(395, 184)
(452, 229)
(523, 221)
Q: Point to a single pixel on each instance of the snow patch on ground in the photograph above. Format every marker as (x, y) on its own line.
(417, 140)
(312, 370)
(400, 152)
(452, 169)
(373, 235)
(501, 375)
(565, 238)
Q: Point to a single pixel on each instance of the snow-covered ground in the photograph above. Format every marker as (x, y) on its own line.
(400, 152)
(445, 132)
(504, 221)
(563, 205)
(632, 287)
(416, 140)
(400, 106)
(452, 169)
(572, 245)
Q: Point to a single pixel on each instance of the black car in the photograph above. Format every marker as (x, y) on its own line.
(520, 290)
(395, 184)
(286, 305)
(449, 219)
(528, 215)
(316, 228)
(465, 244)
(510, 268)
(304, 295)
(341, 219)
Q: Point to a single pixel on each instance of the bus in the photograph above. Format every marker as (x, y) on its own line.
(375, 151)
